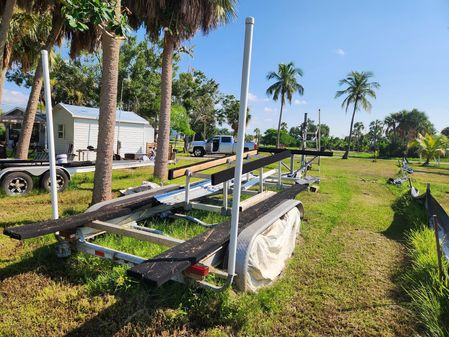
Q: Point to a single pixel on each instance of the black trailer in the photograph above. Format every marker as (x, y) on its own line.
(16, 176)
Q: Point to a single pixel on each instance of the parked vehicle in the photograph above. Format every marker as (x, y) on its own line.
(222, 144)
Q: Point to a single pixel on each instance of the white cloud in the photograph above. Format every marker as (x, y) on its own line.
(340, 52)
(14, 97)
(300, 102)
(267, 109)
(254, 98)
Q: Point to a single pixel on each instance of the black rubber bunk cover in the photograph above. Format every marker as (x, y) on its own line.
(162, 268)
(298, 151)
(115, 209)
(227, 174)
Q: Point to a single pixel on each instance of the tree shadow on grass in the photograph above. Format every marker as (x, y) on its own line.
(173, 309)
(430, 172)
(139, 309)
(407, 213)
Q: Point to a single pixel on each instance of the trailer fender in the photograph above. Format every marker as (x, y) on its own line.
(264, 247)
(35, 171)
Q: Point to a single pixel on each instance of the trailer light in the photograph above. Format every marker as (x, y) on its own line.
(99, 253)
(198, 270)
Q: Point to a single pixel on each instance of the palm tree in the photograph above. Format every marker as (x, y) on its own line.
(375, 132)
(358, 89)
(7, 10)
(257, 133)
(22, 47)
(54, 37)
(358, 133)
(431, 146)
(179, 20)
(107, 118)
(285, 86)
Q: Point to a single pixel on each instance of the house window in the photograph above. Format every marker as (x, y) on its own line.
(61, 131)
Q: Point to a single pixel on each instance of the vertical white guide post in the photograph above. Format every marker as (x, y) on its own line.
(240, 143)
(50, 133)
(319, 136)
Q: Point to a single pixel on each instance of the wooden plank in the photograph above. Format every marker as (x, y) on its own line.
(250, 202)
(116, 209)
(293, 151)
(163, 267)
(135, 233)
(228, 174)
(197, 167)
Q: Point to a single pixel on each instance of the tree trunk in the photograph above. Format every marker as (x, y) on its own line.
(107, 119)
(280, 121)
(348, 147)
(163, 141)
(33, 100)
(3, 73)
(4, 26)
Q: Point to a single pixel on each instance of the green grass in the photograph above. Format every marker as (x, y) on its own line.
(359, 238)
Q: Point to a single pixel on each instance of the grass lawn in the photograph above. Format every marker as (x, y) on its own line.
(345, 279)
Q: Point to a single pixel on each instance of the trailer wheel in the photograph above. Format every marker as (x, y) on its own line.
(198, 152)
(17, 183)
(62, 181)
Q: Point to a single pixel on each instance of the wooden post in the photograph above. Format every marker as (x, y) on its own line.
(437, 239)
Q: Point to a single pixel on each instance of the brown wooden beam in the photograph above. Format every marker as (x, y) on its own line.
(197, 167)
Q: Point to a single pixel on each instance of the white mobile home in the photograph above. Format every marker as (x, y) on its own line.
(76, 129)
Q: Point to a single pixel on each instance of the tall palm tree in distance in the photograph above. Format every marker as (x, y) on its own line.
(358, 90)
(285, 86)
(178, 20)
(358, 133)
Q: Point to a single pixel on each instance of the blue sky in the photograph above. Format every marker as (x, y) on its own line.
(404, 42)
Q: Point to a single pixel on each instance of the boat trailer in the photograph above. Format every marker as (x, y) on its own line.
(198, 257)
(261, 232)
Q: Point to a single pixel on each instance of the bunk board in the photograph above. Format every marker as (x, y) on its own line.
(302, 152)
(162, 268)
(227, 174)
(204, 165)
(115, 209)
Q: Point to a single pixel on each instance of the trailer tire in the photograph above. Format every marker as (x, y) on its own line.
(62, 180)
(17, 183)
(198, 152)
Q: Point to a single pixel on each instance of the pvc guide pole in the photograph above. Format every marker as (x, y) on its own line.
(50, 133)
(319, 136)
(240, 144)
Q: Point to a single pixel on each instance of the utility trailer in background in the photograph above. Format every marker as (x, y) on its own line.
(16, 176)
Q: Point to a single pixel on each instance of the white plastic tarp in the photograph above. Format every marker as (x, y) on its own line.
(271, 249)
